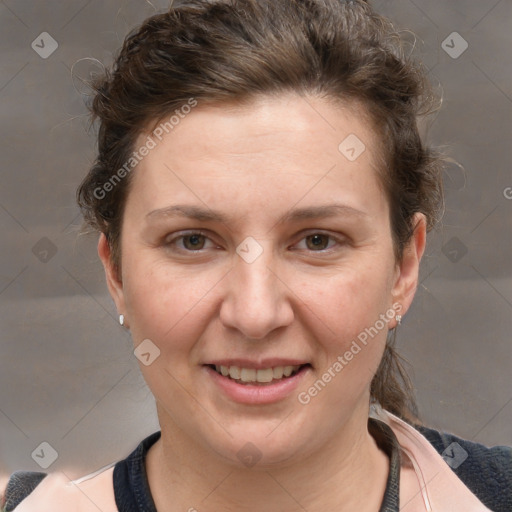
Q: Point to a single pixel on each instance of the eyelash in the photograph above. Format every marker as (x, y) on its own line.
(201, 233)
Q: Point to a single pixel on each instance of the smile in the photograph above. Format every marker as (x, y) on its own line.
(261, 376)
(269, 382)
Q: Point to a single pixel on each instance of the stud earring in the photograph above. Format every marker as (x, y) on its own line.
(398, 319)
(121, 319)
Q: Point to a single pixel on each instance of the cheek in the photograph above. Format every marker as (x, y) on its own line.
(352, 299)
(163, 303)
(166, 308)
(351, 352)
(354, 311)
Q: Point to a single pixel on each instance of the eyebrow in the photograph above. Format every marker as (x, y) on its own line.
(297, 214)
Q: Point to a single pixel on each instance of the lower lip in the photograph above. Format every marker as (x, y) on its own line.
(258, 394)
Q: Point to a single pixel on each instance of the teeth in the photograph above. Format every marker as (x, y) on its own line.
(278, 372)
(287, 371)
(247, 374)
(252, 375)
(265, 375)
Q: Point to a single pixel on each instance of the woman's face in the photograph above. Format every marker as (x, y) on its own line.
(256, 240)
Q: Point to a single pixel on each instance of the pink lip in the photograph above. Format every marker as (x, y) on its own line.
(257, 365)
(257, 394)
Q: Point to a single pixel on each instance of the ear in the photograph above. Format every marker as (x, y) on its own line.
(115, 286)
(406, 278)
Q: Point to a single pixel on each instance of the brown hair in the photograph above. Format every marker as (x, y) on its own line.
(231, 51)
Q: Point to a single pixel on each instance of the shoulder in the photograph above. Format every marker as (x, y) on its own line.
(19, 485)
(30, 491)
(486, 471)
(37, 487)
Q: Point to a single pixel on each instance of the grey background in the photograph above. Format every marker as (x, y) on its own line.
(67, 372)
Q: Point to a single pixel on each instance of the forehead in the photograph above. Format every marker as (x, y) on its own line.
(246, 127)
(271, 150)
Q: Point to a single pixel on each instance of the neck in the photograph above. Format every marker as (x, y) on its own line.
(185, 476)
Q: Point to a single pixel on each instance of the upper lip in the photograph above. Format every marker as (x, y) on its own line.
(257, 365)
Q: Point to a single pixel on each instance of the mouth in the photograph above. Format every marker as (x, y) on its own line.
(261, 376)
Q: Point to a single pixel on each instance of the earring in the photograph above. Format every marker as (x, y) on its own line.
(121, 319)
(398, 319)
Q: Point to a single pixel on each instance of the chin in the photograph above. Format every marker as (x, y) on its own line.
(270, 446)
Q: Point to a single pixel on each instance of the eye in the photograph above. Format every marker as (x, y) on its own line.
(318, 242)
(193, 241)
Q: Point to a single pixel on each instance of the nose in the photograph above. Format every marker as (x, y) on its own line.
(257, 299)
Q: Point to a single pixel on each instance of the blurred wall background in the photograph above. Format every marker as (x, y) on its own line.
(68, 376)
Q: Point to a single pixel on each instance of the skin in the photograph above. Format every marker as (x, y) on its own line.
(296, 300)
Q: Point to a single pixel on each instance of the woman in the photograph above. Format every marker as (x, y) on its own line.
(263, 198)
